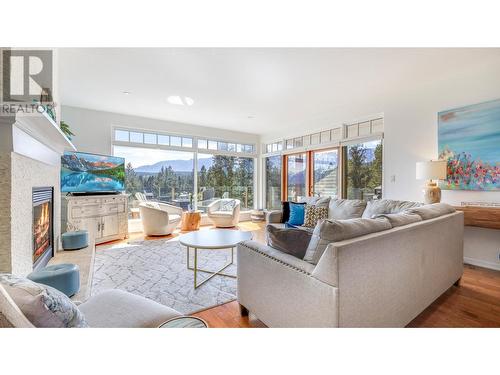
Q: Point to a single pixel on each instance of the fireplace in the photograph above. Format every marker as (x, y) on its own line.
(43, 216)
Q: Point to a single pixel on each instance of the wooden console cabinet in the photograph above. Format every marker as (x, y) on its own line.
(483, 217)
(104, 215)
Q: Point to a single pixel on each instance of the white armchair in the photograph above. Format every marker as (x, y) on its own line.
(159, 219)
(224, 213)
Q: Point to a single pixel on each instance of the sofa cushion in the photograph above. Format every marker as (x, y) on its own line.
(285, 208)
(316, 201)
(118, 309)
(297, 211)
(44, 306)
(343, 209)
(430, 211)
(292, 241)
(328, 231)
(387, 206)
(400, 219)
(313, 214)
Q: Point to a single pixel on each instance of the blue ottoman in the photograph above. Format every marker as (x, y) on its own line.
(75, 240)
(63, 277)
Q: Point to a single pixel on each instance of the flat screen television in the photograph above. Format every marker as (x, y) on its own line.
(91, 173)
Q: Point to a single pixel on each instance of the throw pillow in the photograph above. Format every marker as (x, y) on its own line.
(328, 231)
(290, 241)
(44, 306)
(296, 214)
(227, 205)
(285, 208)
(313, 214)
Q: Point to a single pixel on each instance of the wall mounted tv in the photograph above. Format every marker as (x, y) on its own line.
(91, 173)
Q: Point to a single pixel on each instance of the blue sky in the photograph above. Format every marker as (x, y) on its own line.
(474, 129)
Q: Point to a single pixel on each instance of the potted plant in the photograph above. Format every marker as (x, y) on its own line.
(66, 130)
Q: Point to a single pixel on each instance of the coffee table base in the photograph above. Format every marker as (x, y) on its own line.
(195, 268)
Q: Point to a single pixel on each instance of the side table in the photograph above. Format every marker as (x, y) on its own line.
(190, 220)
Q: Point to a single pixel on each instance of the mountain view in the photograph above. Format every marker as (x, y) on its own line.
(177, 165)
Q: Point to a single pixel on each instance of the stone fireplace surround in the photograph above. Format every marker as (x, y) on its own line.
(30, 149)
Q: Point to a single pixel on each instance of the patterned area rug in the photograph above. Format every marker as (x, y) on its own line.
(157, 270)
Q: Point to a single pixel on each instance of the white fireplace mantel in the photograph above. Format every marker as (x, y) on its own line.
(42, 128)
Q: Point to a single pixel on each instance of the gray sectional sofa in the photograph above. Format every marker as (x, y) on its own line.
(375, 264)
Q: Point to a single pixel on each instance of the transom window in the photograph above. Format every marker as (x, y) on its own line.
(150, 138)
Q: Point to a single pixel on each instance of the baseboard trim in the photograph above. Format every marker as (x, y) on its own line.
(482, 263)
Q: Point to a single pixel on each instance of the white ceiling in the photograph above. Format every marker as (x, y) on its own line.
(282, 89)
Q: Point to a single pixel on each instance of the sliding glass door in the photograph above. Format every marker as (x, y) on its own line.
(273, 182)
(325, 173)
(296, 176)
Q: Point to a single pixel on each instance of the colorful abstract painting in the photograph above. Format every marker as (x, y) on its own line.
(469, 138)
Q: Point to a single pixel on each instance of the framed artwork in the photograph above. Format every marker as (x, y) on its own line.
(469, 139)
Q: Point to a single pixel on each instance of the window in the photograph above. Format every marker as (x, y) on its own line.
(136, 137)
(212, 145)
(363, 170)
(325, 173)
(121, 135)
(150, 139)
(296, 166)
(187, 142)
(202, 143)
(221, 176)
(163, 175)
(175, 141)
(163, 140)
(273, 182)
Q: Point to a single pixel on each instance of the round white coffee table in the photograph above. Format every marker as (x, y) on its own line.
(215, 239)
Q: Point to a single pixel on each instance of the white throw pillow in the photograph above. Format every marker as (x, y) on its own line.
(44, 306)
(227, 206)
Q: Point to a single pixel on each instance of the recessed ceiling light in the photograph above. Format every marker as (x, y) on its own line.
(180, 100)
(126, 93)
(250, 116)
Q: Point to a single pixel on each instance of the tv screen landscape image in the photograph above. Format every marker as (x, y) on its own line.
(90, 173)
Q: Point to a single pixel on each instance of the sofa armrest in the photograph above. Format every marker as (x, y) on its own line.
(327, 268)
(274, 217)
(171, 209)
(214, 206)
(278, 256)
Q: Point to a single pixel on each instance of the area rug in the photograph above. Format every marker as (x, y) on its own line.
(157, 270)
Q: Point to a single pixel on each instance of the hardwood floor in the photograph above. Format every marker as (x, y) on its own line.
(474, 303)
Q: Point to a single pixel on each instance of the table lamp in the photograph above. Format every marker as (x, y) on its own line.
(431, 170)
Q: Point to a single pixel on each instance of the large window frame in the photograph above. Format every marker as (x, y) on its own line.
(241, 150)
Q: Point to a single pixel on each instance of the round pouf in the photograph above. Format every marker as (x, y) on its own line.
(75, 240)
(63, 277)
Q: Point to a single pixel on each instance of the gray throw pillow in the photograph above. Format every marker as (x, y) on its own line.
(387, 206)
(400, 219)
(328, 231)
(44, 306)
(343, 209)
(288, 240)
(431, 211)
(316, 201)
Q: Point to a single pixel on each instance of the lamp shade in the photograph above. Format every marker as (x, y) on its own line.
(431, 170)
